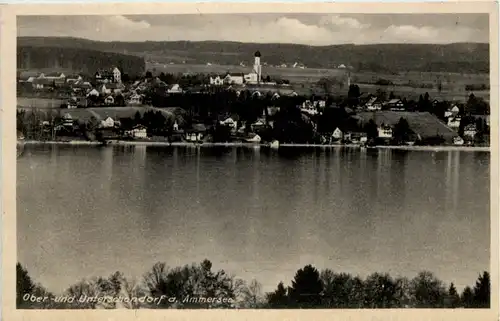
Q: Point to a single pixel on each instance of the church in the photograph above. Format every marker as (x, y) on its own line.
(254, 77)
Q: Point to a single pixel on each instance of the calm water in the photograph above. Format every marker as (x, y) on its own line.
(85, 211)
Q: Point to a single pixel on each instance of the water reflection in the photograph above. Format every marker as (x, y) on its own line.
(126, 207)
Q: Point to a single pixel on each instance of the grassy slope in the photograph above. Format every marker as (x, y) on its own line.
(423, 123)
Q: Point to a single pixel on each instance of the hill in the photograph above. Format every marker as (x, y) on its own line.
(39, 56)
(456, 58)
(422, 123)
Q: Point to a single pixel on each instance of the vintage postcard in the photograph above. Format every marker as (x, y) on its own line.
(270, 161)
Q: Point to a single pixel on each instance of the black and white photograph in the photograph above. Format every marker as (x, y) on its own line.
(290, 160)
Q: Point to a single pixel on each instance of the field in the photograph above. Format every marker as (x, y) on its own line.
(424, 123)
(295, 75)
(405, 84)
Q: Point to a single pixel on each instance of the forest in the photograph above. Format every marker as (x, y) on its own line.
(310, 288)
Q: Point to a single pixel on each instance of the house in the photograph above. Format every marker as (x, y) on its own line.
(42, 83)
(108, 123)
(53, 76)
(454, 122)
(93, 92)
(109, 100)
(229, 122)
(175, 126)
(216, 81)
(395, 104)
(337, 134)
(359, 138)
(103, 89)
(27, 76)
(114, 87)
(72, 103)
(234, 78)
(73, 78)
(454, 111)
(374, 104)
(384, 131)
(309, 107)
(67, 120)
(117, 75)
(135, 99)
(458, 140)
(138, 131)
(258, 124)
(470, 131)
(174, 89)
(81, 86)
(255, 139)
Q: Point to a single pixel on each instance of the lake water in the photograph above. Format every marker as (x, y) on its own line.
(87, 211)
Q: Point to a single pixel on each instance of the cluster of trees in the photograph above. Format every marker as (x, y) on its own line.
(310, 288)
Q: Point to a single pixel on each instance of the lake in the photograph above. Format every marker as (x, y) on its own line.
(85, 211)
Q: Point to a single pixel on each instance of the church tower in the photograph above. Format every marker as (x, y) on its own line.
(257, 67)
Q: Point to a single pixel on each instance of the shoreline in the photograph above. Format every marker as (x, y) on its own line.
(256, 145)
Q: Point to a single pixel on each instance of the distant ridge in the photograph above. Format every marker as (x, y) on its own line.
(454, 57)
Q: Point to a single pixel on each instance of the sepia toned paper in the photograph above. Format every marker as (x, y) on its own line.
(12, 16)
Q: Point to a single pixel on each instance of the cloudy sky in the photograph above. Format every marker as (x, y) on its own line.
(309, 29)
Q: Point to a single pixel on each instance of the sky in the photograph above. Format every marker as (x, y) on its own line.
(308, 29)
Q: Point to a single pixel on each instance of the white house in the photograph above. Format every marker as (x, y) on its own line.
(234, 78)
(107, 123)
(138, 131)
(254, 139)
(454, 122)
(458, 141)
(395, 104)
(452, 111)
(309, 108)
(117, 75)
(374, 104)
(337, 134)
(93, 92)
(470, 131)
(175, 126)
(109, 100)
(67, 120)
(359, 138)
(257, 124)
(175, 89)
(216, 81)
(73, 78)
(385, 131)
(135, 99)
(229, 122)
(105, 90)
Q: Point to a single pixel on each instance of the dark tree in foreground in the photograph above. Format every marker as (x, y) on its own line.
(467, 297)
(482, 291)
(24, 285)
(307, 288)
(453, 299)
(428, 291)
(279, 298)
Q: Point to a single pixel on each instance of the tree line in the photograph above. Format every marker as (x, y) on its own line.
(309, 289)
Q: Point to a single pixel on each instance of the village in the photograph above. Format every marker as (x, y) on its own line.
(238, 107)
